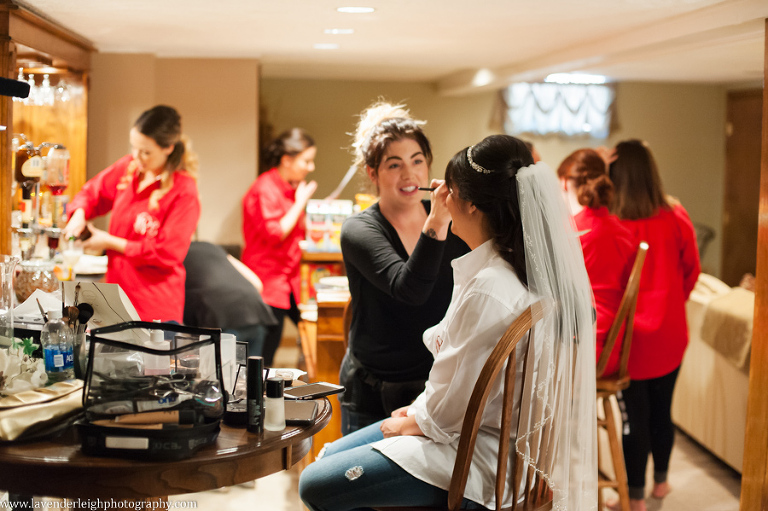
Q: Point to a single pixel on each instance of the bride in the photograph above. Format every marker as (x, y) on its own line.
(523, 249)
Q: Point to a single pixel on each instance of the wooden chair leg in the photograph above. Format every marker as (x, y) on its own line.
(617, 455)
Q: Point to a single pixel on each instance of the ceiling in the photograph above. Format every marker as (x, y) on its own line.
(460, 45)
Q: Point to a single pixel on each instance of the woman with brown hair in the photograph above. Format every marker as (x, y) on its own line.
(273, 225)
(609, 247)
(152, 194)
(660, 333)
(397, 255)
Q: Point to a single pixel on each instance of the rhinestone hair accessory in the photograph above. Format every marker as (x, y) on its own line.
(474, 165)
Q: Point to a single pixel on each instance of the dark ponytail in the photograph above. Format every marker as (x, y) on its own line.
(495, 193)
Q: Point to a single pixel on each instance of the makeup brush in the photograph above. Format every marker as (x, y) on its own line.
(42, 311)
(85, 315)
(427, 189)
(72, 314)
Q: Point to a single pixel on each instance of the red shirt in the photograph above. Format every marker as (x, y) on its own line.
(671, 269)
(151, 271)
(609, 253)
(275, 261)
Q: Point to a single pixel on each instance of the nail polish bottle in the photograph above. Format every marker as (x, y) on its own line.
(255, 394)
(274, 405)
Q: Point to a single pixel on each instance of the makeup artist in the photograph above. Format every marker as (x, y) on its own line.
(152, 194)
(398, 255)
(273, 225)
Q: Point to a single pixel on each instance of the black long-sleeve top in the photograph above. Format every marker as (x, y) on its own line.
(395, 297)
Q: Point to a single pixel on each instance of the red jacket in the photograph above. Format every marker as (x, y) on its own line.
(669, 274)
(609, 252)
(275, 261)
(151, 271)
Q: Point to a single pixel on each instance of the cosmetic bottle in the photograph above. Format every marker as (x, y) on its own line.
(157, 364)
(255, 394)
(274, 405)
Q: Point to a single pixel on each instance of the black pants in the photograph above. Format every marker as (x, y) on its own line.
(275, 332)
(646, 412)
(366, 399)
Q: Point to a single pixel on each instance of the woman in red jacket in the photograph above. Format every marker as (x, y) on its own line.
(152, 194)
(609, 247)
(660, 333)
(273, 225)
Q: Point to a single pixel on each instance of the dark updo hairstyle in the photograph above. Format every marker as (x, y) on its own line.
(588, 171)
(291, 142)
(636, 180)
(495, 193)
(163, 125)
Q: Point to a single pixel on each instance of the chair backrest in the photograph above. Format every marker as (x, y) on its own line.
(624, 316)
(536, 493)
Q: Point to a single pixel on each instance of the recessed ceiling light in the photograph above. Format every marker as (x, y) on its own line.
(326, 46)
(340, 31)
(483, 77)
(356, 10)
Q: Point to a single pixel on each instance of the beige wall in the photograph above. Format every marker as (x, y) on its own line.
(219, 99)
(684, 125)
(218, 102)
(328, 109)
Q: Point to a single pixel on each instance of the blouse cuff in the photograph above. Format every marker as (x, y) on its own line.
(431, 430)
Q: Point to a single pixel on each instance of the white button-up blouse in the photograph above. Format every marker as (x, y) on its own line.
(487, 298)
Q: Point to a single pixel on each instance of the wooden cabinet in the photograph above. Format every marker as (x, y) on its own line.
(327, 345)
(27, 40)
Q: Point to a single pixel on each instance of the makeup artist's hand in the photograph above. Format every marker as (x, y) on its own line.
(401, 426)
(439, 217)
(75, 225)
(102, 240)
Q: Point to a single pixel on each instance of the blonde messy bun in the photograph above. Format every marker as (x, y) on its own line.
(380, 124)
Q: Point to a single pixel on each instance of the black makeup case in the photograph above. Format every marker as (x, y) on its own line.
(152, 396)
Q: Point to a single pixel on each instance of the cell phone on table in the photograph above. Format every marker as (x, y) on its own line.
(300, 413)
(313, 390)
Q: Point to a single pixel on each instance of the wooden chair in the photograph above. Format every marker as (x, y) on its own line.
(537, 495)
(610, 385)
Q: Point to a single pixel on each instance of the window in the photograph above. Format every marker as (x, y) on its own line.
(564, 108)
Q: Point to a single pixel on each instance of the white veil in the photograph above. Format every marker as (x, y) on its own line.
(562, 407)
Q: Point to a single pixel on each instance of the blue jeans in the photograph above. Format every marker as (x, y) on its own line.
(352, 475)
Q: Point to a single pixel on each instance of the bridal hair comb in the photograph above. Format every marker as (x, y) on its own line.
(475, 165)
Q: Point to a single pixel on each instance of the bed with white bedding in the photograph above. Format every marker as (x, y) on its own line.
(710, 401)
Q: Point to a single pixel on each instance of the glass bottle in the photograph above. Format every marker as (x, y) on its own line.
(56, 340)
(28, 171)
(274, 405)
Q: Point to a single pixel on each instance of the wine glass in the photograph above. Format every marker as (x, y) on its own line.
(71, 251)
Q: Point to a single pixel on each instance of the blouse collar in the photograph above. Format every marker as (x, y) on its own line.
(468, 265)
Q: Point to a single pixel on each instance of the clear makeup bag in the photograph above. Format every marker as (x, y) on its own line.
(158, 396)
